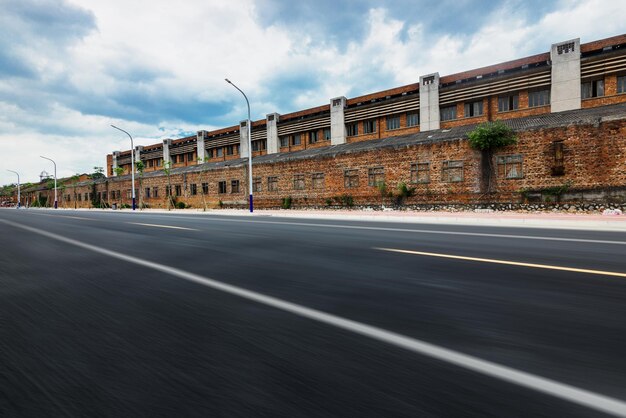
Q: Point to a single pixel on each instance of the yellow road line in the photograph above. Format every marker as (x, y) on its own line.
(506, 262)
(162, 226)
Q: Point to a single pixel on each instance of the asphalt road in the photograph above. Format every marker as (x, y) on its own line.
(120, 314)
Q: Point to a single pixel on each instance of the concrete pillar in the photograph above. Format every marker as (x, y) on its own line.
(243, 139)
(116, 154)
(166, 153)
(272, 133)
(337, 121)
(138, 150)
(200, 150)
(565, 87)
(429, 102)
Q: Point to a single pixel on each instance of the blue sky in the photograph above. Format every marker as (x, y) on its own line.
(70, 68)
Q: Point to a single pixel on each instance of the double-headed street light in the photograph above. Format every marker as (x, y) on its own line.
(132, 163)
(248, 124)
(56, 204)
(18, 187)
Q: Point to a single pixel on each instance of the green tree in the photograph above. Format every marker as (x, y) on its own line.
(98, 173)
(488, 137)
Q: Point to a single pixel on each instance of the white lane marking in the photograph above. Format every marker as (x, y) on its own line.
(541, 384)
(419, 231)
(506, 262)
(163, 226)
(65, 216)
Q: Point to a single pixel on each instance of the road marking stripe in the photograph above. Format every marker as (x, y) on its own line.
(561, 390)
(420, 231)
(163, 226)
(64, 216)
(506, 262)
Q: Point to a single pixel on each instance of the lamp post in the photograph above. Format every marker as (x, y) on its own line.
(18, 187)
(248, 123)
(132, 163)
(56, 204)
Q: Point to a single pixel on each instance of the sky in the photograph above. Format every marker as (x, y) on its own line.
(71, 68)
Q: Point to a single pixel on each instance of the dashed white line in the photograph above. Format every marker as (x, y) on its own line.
(162, 226)
(561, 390)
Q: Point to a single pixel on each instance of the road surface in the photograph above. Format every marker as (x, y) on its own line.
(142, 314)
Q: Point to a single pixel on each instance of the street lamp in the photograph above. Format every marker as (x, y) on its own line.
(132, 163)
(248, 124)
(56, 205)
(18, 187)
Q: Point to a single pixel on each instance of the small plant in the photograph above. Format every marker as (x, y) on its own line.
(220, 204)
(181, 205)
(286, 202)
(328, 201)
(404, 192)
(384, 192)
(347, 200)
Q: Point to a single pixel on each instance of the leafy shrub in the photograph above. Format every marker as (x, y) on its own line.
(286, 202)
(180, 205)
(491, 135)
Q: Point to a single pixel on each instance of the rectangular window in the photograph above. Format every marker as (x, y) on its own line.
(351, 178)
(208, 154)
(452, 171)
(313, 137)
(159, 162)
(538, 98)
(448, 113)
(191, 156)
(375, 176)
(219, 152)
(168, 191)
(79, 197)
(326, 134)
(558, 169)
(104, 195)
(150, 163)
(205, 188)
(284, 141)
(221, 187)
(86, 197)
(230, 149)
(234, 186)
(155, 192)
(317, 180)
(509, 166)
(369, 126)
(393, 122)
(420, 172)
(256, 184)
(146, 193)
(508, 103)
(193, 189)
(178, 190)
(473, 109)
(256, 146)
(296, 139)
(272, 184)
(352, 129)
(621, 84)
(412, 119)
(593, 88)
(298, 182)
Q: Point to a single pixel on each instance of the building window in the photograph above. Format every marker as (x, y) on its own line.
(313, 137)
(159, 162)
(256, 184)
(178, 190)
(208, 153)
(234, 186)
(448, 113)
(155, 192)
(393, 122)
(221, 187)
(284, 141)
(375, 176)
(452, 171)
(412, 119)
(508, 103)
(509, 166)
(593, 88)
(351, 178)
(318, 180)
(538, 98)
(193, 189)
(259, 145)
(352, 129)
(473, 109)
(104, 195)
(146, 193)
(420, 172)
(296, 139)
(219, 152)
(558, 169)
(621, 84)
(326, 134)
(205, 188)
(168, 191)
(272, 184)
(369, 126)
(298, 182)
(191, 156)
(230, 149)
